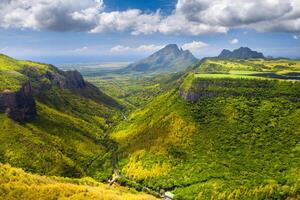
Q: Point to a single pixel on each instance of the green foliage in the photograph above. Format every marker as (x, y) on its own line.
(55, 143)
(134, 91)
(16, 184)
(254, 68)
(10, 72)
(68, 136)
(238, 141)
(240, 144)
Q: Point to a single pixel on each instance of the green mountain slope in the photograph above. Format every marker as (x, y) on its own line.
(16, 184)
(219, 135)
(67, 136)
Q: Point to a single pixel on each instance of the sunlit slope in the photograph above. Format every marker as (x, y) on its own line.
(16, 184)
(237, 140)
(67, 137)
(11, 76)
(278, 69)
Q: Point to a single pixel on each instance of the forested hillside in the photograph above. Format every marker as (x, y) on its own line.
(227, 132)
(66, 132)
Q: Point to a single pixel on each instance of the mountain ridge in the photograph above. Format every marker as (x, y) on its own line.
(241, 53)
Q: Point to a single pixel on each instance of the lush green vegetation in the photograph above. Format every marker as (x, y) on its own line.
(131, 90)
(239, 140)
(240, 143)
(10, 72)
(277, 69)
(68, 137)
(16, 184)
(56, 143)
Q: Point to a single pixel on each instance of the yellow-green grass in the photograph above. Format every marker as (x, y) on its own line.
(10, 72)
(293, 65)
(257, 65)
(221, 147)
(225, 76)
(66, 138)
(17, 184)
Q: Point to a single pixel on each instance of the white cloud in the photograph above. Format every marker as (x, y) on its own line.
(194, 46)
(119, 48)
(150, 47)
(58, 15)
(82, 49)
(133, 20)
(296, 37)
(3, 49)
(139, 49)
(191, 17)
(266, 15)
(234, 41)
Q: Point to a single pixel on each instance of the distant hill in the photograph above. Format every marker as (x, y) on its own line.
(168, 59)
(241, 53)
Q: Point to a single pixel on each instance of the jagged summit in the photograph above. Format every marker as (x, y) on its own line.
(241, 53)
(171, 58)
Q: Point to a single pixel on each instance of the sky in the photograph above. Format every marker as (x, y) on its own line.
(86, 31)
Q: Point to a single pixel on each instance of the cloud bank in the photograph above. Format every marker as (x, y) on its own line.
(142, 48)
(190, 17)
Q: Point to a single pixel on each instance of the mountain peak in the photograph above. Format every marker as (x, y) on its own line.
(169, 49)
(241, 53)
(171, 58)
(171, 46)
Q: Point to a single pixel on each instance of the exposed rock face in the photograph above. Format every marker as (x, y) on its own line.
(74, 80)
(197, 91)
(71, 80)
(19, 106)
(241, 53)
(55, 78)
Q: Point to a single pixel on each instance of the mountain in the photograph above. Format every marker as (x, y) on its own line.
(241, 53)
(53, 122)
(228, 129)
(168, 59)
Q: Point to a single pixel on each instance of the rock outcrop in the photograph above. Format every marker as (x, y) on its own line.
(54, 78)
(198, 90)
(20, 105)
(70, 80)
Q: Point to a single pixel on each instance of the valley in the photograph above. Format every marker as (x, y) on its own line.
(149, 100)
(221, 128)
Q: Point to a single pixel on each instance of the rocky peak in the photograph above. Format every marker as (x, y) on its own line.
(241, 53)
(170, 49)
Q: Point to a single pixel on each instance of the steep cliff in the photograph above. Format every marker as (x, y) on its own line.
(20, 105)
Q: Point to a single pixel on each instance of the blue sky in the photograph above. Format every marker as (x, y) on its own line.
(73, 31)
